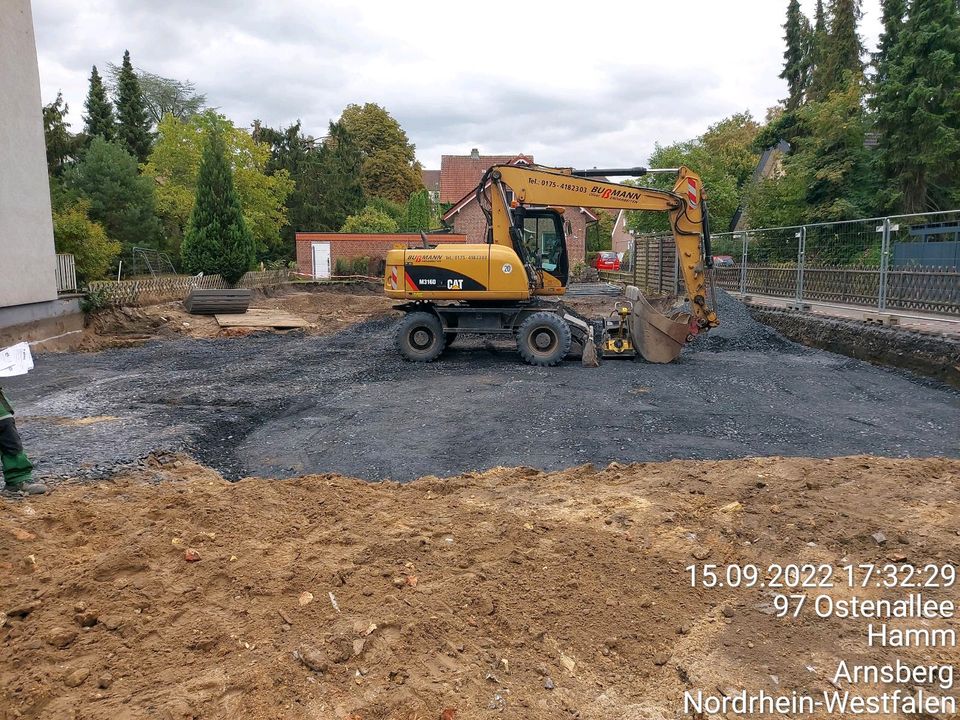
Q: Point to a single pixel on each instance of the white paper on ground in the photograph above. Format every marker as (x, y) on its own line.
(15, 360)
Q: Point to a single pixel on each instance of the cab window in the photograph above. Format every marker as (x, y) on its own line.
(543, 241)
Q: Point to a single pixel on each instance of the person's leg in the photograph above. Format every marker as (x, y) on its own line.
(17, 467)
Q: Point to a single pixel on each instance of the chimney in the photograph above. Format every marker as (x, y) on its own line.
(475, 154)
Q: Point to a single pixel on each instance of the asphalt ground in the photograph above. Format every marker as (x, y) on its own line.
(283, 405)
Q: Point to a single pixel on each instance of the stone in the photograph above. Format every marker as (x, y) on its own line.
(728, 612)
(85, 618)
(111, 622)
(548, 683)
(701, 553)
(661, 659)
(313, 658)
(879, 538)
(61, 637)
(76, 678)
(105, 681)
(191, 555)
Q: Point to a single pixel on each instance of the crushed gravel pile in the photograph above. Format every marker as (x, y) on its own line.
(739, 331)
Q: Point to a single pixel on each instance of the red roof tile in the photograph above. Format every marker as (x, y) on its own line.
(431, 179)
(459, 174)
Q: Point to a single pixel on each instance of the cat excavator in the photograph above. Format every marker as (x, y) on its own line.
(512, 284)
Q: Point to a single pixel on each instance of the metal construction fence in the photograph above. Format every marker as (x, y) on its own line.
(906, 262)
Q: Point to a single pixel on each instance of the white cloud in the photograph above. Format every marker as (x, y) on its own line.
(575, 84)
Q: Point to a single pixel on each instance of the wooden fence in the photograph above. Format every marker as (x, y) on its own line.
(66, 272)
(152, 290)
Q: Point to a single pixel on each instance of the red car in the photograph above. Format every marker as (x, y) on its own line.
(607, 261)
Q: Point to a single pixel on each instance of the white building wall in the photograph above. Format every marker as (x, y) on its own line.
(27, 262)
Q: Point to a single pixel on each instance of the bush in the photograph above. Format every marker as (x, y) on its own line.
(361, 265)
(591, 256)
(74, 233)
(578, 271)
(93, 301)
(370, 220)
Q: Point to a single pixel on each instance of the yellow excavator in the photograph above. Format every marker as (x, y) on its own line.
(511, 284)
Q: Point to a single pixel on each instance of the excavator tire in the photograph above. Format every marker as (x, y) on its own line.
(543, 339)
(420, 337)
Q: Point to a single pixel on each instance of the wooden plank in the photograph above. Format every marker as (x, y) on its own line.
(259, 317)
(211, 302)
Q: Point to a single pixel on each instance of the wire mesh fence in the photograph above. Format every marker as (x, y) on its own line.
(909, 262)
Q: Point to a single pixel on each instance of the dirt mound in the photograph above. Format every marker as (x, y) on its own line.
(328, 308)
(513, 593)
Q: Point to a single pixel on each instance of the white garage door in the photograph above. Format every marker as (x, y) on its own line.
(321, 259)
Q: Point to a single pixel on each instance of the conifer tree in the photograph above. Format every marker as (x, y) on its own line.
(99, 120)
(796, 58)
(339, 167)
(818, 43)
(217, 241)
(133, 129)
(840, 52)
(918, 108)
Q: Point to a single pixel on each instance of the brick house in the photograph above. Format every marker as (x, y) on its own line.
(459, 176)
(318, 253)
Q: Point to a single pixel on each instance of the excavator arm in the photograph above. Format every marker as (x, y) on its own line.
(685, 206)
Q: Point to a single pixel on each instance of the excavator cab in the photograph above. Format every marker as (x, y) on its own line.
(543, 246)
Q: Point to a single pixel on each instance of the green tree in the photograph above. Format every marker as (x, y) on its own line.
(164, 96)
(827, 176)
(918, 109)
(417, 216)
(133, 128)
(99, 118)
(217, 241)
(725, 158)
(370, 220)
(174, 165)
(62, 145)
(894, 12)
(389, 169)
(338, 181)
(796, 58)
(840, 52)
(600, 234)
(119, 198)
(388, 207)
(93, 252)
(818, 45)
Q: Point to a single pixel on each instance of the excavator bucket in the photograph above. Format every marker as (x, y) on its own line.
(658, 338)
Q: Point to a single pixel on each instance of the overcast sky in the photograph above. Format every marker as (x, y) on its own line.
(596, 84)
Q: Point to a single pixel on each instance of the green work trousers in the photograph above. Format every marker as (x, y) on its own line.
(16, 465)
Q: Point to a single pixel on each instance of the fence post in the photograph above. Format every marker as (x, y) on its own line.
(801, 259)
(636, 239)
(743, 264)
(884, 264)
(660, 265)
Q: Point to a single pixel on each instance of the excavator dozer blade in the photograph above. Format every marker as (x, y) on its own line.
(658, 338)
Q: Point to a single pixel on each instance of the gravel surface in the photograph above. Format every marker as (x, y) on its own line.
(282, 405)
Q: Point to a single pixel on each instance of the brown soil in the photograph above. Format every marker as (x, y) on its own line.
(328, 309)
(457, 596)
